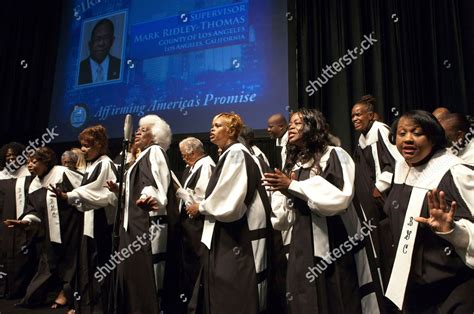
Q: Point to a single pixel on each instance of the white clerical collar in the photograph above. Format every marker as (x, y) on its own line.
(372, 136)
(282, 141)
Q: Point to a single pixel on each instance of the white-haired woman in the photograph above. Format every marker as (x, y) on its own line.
(150, 214)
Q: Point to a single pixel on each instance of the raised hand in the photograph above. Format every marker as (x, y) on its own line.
(277, 181)
(113, 187)
(57, 192)
(441, 217)
(148, 203)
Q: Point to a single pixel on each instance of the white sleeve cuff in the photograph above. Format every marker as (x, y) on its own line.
(458, 236)
(382, 186)
(31, 218)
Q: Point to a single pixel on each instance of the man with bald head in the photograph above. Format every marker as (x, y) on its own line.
(459, 134)
(440, 113)
(278, 129)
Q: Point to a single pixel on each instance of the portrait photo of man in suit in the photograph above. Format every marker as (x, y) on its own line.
(100, 66)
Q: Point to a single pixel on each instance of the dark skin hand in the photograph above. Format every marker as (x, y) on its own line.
(277, 181)
(193, 210)
(441, 217)
(378, 196)
(58, 193)
(11, 223)
(112, 186)
(148, 203)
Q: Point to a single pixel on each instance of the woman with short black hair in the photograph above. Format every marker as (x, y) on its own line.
(430, 208)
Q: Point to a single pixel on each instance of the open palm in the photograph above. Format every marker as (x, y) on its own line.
(441, 217)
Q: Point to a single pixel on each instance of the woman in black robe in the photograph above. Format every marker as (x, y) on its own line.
(94, 199)
(146, 276)
(18, 258)
(314, 197)
(430, 208)
(234, 275)
(59, 236)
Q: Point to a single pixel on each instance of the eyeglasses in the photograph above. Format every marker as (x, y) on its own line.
(143, 129)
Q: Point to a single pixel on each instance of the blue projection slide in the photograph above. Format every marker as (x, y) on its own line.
(184, 60)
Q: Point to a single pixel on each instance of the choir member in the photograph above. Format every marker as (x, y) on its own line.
(374, 160)
(18, 258)
(200, 167)
(440, 112)
(13, 161)
(430, 208)
(278, 130)
(313, 196)
(59, 239)
(459, 133)
(69, 160)
(147, 278)
(81, 161)
(94, 199)
(237, 230)
(249, 136)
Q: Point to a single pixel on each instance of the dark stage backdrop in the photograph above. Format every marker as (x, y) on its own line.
(420, 56)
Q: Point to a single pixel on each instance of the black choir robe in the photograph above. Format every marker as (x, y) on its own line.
(59, 236)
(323, 219)
(97, 203)
(237, 235)
(440, 274)
(18, 257)
(195, 184)
(147, 279)
(374, 160)
(279, 251)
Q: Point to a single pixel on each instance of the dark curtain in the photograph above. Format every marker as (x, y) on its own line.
(29, 33)
(422, 58)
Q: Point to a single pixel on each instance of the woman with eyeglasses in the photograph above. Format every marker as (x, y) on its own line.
(146, 276)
